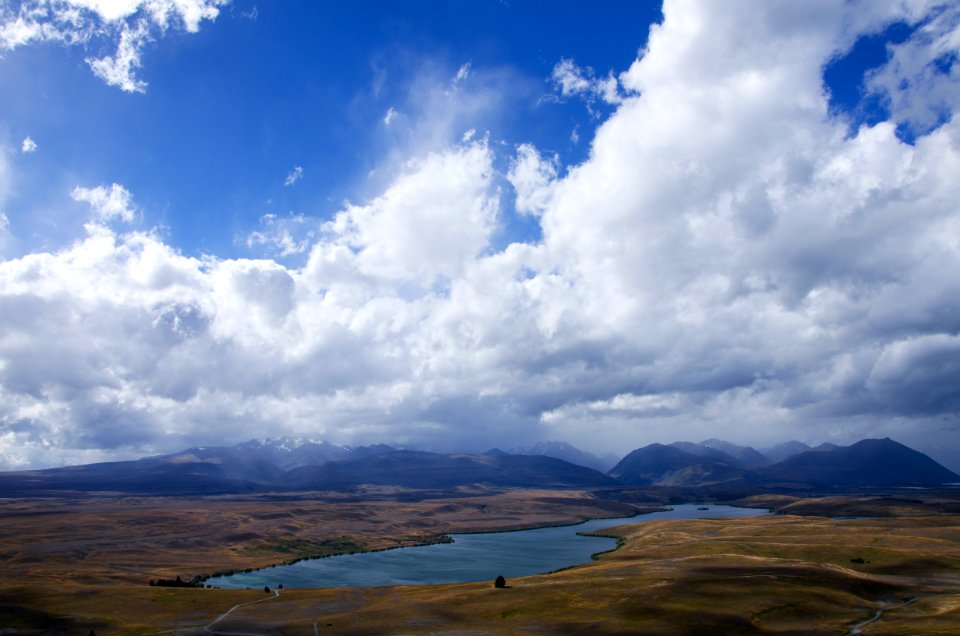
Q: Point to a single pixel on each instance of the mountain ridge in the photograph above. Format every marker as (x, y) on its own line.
(869, 462)
(296, 464)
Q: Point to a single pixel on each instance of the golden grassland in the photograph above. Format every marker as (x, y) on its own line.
(779, 574)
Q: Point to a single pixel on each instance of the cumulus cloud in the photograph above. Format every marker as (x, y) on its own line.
(123, 25)
(430, 224)
(28, 146)
(295, 175)
(107, 203)
(727, 262)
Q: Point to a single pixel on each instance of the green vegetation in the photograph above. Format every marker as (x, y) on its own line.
(177, 582)
(596, 555)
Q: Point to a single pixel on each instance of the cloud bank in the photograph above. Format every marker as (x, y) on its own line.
(728, 262)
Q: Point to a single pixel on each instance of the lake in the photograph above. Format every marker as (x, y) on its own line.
(471, 557)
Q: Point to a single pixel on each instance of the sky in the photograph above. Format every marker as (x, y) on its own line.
(452, 225)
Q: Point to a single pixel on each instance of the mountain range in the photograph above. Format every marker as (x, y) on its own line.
(289, 464)
(869, 462)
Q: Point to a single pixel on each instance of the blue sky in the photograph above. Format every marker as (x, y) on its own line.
(446, 224)
(230, 111)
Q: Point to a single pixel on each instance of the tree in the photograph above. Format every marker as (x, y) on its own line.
(500, 582)
(266, 588)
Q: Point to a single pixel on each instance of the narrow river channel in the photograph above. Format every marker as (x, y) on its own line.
(471, 557)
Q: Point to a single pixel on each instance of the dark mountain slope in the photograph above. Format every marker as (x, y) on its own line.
(659, 465)
(417, 469)
(144, 476)
(869, 462)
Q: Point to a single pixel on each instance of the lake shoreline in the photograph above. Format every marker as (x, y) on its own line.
(468, 556)
(447, 537)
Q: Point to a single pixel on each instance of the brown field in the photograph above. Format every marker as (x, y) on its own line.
(133, 540)
(70, 571)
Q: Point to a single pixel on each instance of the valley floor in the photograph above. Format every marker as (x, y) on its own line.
(779, 574)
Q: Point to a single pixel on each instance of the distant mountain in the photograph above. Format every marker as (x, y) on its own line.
(230, 462)
(721, 451)
(417, 469)
(660, 465)
(700, 450)
(288, 453)
(206, 471)
(747, 456)
(292, 464)
(784, 450)
(869, 462)
(185, 474)
(244, 467)
(568, 452)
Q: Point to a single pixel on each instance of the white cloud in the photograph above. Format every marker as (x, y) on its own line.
(922, 81)
(435, 218)
(573, 80)
(390, 116)
(28, 145)
(123, 25)
(727, 262)
(462, 73)
(119, 69)
(110, 10)
(532, 177)
(295, 175)
(285, 236)
(435, 111)
(107, 204)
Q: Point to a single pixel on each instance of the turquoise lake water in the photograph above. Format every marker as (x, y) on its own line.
(471, 557)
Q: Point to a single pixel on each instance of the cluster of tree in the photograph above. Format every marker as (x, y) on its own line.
(177, 582)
